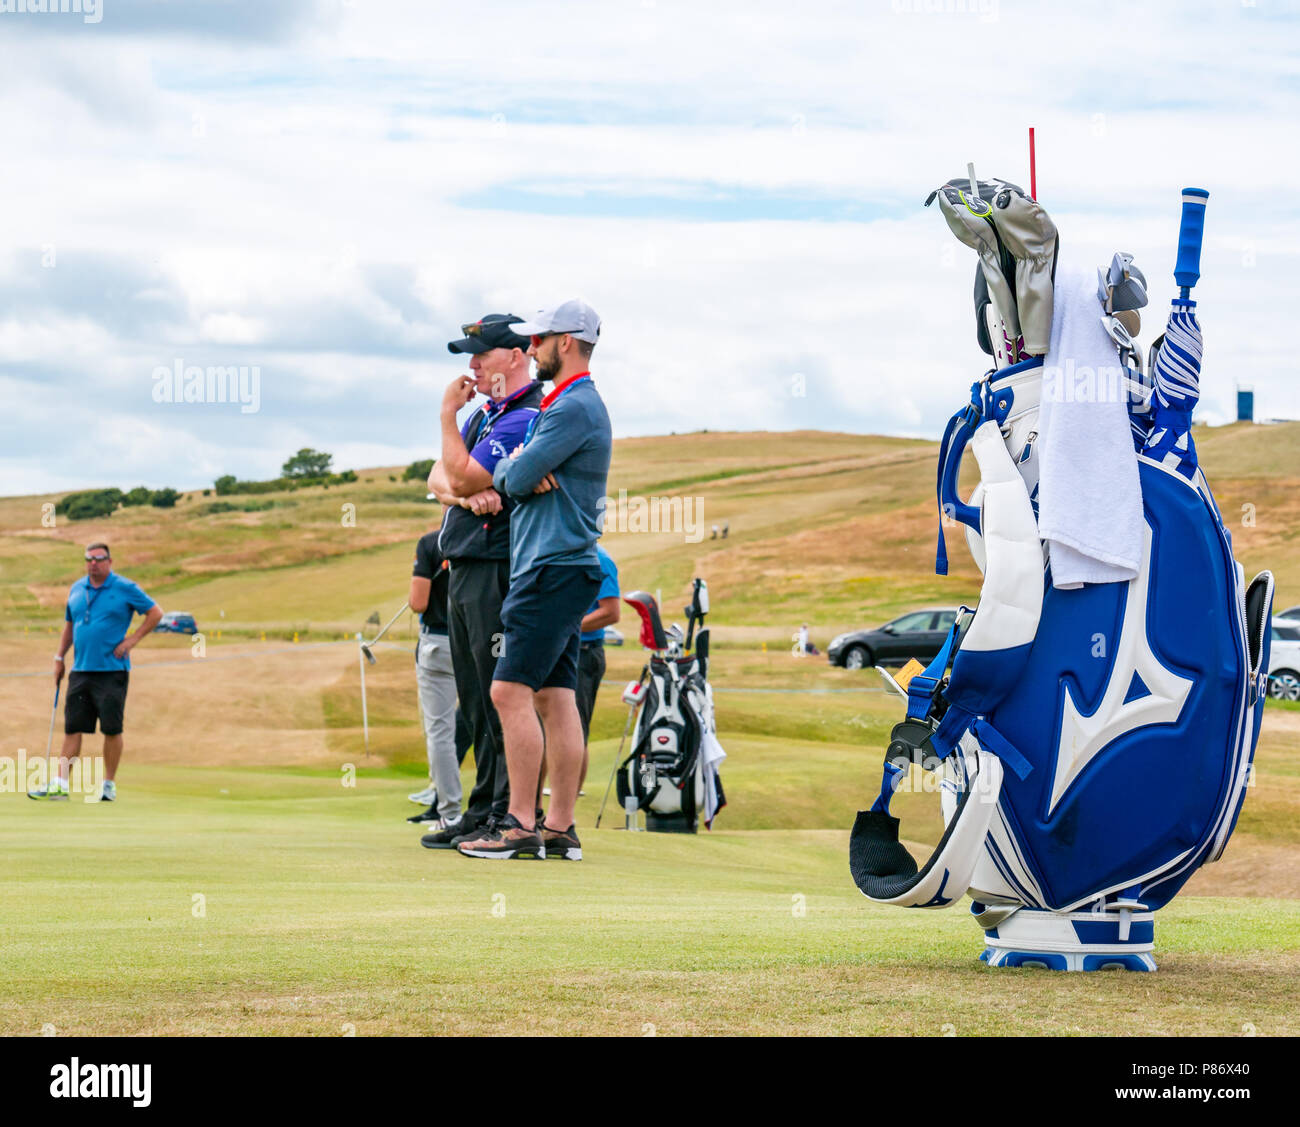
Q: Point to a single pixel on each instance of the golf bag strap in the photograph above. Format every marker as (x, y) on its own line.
(886, 872)
(987, 403)
(923, 687)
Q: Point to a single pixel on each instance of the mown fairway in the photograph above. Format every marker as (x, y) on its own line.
(319, 912)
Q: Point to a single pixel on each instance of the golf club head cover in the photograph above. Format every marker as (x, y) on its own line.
(652, 630)
(971, 220)
(1027, 232)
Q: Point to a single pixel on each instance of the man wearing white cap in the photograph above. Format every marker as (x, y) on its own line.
(557, 477)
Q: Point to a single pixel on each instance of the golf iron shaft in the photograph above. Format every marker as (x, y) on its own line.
(618, 758)
(49, 742)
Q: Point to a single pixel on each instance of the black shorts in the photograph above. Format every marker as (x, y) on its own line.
(96, 696)
(591, 671)
(542, 617)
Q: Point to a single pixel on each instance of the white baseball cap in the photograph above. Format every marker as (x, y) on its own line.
(574, 317)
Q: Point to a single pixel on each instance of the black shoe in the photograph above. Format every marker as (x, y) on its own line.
(447, 837)
(505, 839)
(430, 815)
(562, 845)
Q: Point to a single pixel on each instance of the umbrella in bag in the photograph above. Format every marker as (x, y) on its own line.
(1176, 357)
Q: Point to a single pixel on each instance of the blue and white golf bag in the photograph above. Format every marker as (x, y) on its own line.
(1094, 744)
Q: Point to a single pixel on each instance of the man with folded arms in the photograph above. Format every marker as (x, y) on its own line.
(557, 477)
(476, 540)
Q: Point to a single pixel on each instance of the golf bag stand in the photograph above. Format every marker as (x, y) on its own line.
(1093, 742)
(671, 771)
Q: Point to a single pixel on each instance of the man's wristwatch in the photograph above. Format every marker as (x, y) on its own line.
(59, 658)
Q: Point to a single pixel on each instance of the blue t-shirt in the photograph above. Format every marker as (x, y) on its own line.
(100, 617)
(496, 428)
(501, 431)
(608, 590)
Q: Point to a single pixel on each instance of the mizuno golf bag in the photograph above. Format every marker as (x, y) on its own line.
(1094, 743)
(672, 769)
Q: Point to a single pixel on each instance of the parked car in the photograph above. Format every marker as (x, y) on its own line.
(1292, 613)
(1284, 661)
(613, 636)
(177, 622)
(918, 634)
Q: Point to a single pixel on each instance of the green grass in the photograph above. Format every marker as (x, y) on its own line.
(319, 914)
(321, 911)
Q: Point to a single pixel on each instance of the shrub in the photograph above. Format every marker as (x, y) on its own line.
(164, 498)
(88, 504)
(418, 471)
(140, 495)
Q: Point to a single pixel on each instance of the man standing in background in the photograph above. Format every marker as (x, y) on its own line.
(476, 541)
(437, 685)
(98, 611)
(605, 611)
(558, 479)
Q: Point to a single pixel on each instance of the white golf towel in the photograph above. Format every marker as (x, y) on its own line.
(1090, 498)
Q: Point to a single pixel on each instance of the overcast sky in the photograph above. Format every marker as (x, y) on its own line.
(326, 189)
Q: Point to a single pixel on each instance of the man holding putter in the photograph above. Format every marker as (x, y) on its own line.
(558, 479)
(98, 612)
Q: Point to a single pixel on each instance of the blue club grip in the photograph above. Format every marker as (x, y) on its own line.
(1187, 270)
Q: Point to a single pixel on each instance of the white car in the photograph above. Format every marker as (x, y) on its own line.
(1284, 660)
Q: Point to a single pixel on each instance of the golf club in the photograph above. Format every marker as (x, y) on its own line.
(49, 742)
(633, 703)
(365, 646)
(364, 655)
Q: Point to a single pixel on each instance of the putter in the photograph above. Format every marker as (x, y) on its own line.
(49, 742)
(364, 655)
(618, 757)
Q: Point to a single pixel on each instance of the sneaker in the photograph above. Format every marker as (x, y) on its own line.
(56, 791)
(446, 835)
(562, 845)
(109, 793)
(506, 839)
(424, 797)
(426, 817)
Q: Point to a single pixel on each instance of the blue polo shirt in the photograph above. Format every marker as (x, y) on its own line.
(100, 618)
(608, 590)
(572, 440)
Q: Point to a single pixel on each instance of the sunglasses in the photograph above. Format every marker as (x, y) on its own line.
(98, 559)
(537, 338)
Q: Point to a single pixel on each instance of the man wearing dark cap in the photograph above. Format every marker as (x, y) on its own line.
(476, 541)
(558, 479)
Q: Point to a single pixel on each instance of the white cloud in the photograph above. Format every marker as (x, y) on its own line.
(331, 193)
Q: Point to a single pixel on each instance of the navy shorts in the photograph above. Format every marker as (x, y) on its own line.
(96, 696)
(542, 617)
